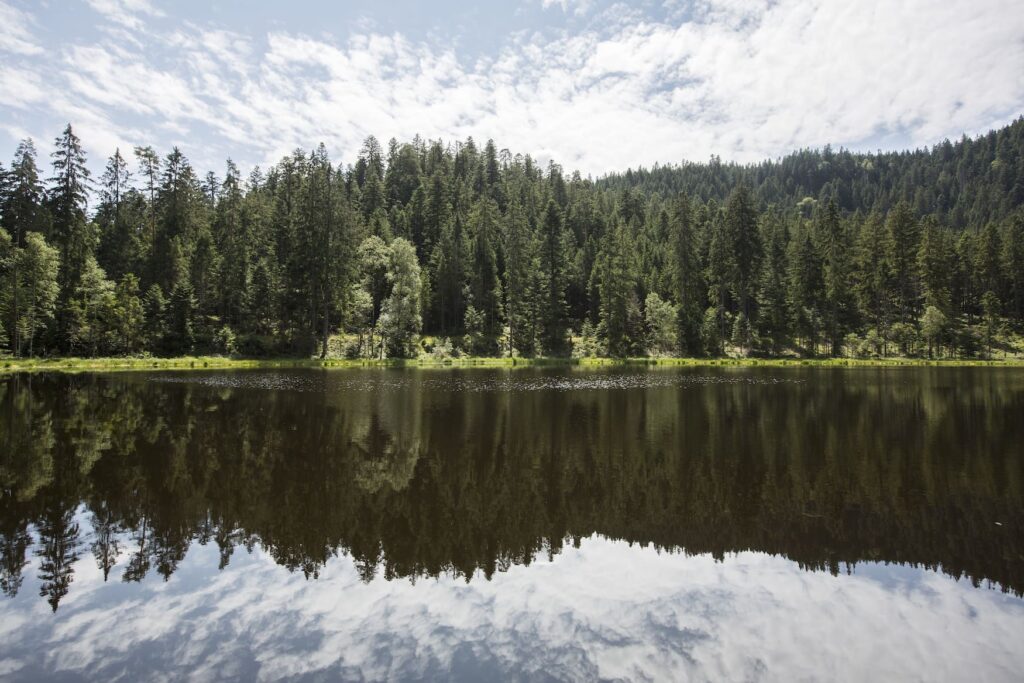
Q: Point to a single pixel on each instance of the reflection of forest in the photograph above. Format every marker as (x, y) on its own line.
(921, 467)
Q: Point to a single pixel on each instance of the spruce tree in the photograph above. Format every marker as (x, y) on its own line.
(553, 278)
(689, 279)
(773, 306)
(903, 242)
(485, 291)
(839, 313)
(71, 233)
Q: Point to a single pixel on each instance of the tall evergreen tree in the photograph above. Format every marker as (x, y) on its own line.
(836, 262)
(620, 310)
(773, 317)
(935, 264)
(520, 282)
(485, 292)
(874, 280)
(744, 248)
(21, 212)
(553, 264)
(689, 279)
(904, 235)
(1013, 265)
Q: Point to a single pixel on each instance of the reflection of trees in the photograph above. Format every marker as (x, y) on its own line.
(58, 552)
(848, 467)
(14, 544)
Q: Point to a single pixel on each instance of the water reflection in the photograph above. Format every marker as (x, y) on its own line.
(603, 611)
(411, 479)
(475, 475)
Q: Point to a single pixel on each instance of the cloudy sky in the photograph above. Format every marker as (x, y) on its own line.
(594, 84)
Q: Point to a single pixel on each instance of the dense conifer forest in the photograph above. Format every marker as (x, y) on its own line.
(451, 249)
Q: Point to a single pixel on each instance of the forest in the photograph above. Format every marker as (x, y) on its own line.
(456, 249)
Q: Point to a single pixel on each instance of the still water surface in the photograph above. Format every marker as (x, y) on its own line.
(528, 524)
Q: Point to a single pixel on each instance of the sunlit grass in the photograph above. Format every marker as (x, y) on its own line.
(222, 362)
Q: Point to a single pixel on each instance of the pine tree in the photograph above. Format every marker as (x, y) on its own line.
(719, 272)
(120, 247)
(620, 311)
(904, 235)
(806, 288)
(745, 250)
(155, 318)
(838, 303)
(181, 308)
(688, 277)
(21, 212)
(873, 280)
(934, 262)
(149, 169)
(180, 220)
(72, 235)
(485, 292)
(520, 282)
(553, 267)
(988, 265)
(233, 241)
(1013, 264)
(773, 305)
(448, 265)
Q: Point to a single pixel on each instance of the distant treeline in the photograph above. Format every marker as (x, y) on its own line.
(488, 253)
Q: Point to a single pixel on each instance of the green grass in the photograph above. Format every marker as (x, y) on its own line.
(8, 365)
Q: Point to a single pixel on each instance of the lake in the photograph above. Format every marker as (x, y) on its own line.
(624, 523)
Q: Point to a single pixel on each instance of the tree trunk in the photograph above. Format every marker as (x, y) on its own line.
(16, 342)
(326, 330)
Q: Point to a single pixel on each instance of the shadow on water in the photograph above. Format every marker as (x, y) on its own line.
(421, 473)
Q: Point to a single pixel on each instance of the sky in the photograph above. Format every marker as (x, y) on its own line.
(595, 85)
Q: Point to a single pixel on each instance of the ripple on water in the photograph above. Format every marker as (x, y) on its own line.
(376, 381)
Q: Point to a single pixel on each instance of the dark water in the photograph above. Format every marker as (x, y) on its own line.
(537, 524)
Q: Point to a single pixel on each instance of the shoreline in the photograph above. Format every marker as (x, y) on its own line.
(19, 365)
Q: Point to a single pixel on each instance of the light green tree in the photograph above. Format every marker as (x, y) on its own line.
(401, 319)
(662, 325)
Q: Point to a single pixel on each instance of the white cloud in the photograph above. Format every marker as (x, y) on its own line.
(578, 7)
(15, 34)
(742, 80)
(127, 13)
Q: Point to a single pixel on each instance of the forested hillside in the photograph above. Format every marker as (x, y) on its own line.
(455, 249)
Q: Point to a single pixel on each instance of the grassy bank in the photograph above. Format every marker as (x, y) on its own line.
(8, 365)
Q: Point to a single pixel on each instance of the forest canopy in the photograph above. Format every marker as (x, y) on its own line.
(465, 249)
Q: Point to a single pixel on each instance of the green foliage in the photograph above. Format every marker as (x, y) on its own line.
(401, 319)
(934, 328)
(33, 291)
(741, 334)
(711, 331)
(792, 256)
(661, 318)
(620, 311)
(226, 341)
(181, 308)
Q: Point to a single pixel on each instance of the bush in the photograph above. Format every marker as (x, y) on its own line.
(443, 350)
(225, 340)
(258, 345)
(587, 344)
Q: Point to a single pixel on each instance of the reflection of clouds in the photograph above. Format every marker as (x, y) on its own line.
(604, 610)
